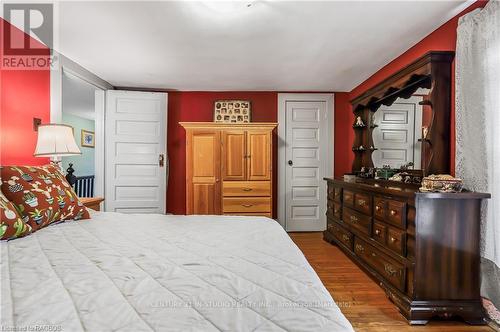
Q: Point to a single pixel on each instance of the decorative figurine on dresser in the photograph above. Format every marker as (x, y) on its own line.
(421, 247)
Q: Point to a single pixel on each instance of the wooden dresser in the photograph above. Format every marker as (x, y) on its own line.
(229, 168)
(422, 248)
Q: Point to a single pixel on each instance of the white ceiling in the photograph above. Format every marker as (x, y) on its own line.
(282, 46)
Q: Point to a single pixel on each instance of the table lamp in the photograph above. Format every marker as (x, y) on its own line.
(55, 141)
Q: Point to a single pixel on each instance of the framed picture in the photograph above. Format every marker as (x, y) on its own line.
(88, 139)
(232, 111)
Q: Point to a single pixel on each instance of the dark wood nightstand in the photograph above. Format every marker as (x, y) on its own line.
(93, 203)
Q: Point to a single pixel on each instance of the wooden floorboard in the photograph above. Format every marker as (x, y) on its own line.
(361, 300)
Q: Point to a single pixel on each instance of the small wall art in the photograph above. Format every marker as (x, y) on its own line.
(232, 111)
(88, 139)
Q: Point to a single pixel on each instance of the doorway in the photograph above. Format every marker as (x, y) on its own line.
(305, 157)
(79, 101)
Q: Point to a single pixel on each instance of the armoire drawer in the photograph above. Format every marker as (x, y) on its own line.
(391, 270)
(357, 220)
(256, 214)
(246, 204)
(246, 188)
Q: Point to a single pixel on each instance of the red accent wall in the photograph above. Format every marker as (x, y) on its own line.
(442, 39)
(24, 94)
(344, 135)
(198, 106)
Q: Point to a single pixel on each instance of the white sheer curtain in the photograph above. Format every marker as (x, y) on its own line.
(478, 128)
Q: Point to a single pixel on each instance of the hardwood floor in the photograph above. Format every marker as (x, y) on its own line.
(361, 300)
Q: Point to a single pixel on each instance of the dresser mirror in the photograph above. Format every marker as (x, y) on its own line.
(404, 121)
(397, 132)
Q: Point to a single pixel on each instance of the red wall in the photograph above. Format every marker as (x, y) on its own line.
(442, 39)
(344, 135)
(198, 106)
(24, 94)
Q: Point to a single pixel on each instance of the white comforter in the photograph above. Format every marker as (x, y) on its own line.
(164, 273)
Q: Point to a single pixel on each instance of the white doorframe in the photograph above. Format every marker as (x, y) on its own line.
(56, 76)
(283, 98)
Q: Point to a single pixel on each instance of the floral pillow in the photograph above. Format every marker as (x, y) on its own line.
(11, 224)
(41, 195)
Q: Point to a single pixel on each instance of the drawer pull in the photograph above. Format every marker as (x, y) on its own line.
(360, 248)
(374, 254)
(247, 189)
(393, 212)
(378, 208)
(353, 219)
(377, 231)
(247, 205)
(336, 211)
(361, 202)
(345, 237)
(393, 239)
(389, 269)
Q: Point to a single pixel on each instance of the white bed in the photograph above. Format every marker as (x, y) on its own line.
(164, 273)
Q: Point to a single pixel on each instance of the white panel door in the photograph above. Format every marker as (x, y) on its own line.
(397, 134)
(135, 180)
(306, 158)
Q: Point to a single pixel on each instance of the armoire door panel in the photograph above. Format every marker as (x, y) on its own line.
(205, 198)
(233, 155)
(205, 153)
(258, 155)
(203, 172)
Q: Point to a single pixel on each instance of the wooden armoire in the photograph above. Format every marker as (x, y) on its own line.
(229, 168)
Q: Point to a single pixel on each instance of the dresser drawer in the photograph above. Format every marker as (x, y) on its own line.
(329, 208)
(337, 210)
(246, 205)
(388, 268)
(342, 235)
(246, 188)
(330, 192)
(396, 213)
(379, 232)
(363, 203)
(348, 198)
(357, 220)
(380, 207)
(337, 194)
(396, 240)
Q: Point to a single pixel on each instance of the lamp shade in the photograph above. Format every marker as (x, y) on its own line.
(56, 140)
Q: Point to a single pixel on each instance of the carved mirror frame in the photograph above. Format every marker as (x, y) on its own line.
(432, 71)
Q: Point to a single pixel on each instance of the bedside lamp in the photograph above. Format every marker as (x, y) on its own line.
(54, 141)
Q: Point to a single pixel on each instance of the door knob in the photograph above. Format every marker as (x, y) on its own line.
(290, 162)
(161, 160)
